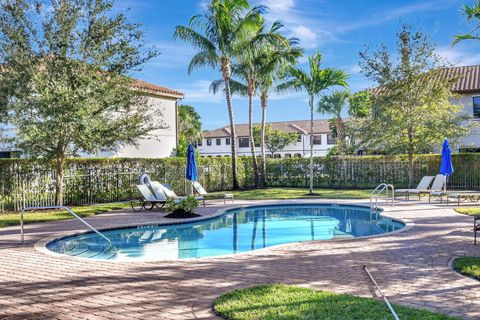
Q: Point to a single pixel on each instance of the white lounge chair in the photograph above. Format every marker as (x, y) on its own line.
(149, 200)
(472, 196)
(169, 192)
(422, 188)
(201, 191)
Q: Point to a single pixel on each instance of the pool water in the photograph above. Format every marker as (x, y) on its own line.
(235, 231)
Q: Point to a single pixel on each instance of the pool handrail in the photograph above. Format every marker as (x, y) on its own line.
(376, 193)
(22, 232)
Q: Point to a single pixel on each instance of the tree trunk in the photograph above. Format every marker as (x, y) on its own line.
(410, 159)
(341, 135)
(252, 140)
(226, 72)
(59, 170)
(311, 144)
(263, 103)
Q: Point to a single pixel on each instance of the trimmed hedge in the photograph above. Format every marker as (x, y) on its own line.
(99, 180)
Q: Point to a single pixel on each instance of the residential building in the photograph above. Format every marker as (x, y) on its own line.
(164, 141)
(216, 143)
(468, 90)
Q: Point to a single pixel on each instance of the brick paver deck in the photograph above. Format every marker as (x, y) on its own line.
(411, 266)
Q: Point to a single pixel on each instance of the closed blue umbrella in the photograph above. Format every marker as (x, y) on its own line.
(446, 167)
(191, 173)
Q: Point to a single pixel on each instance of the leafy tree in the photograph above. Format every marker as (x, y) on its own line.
(275, 139)
(411, 107)
(313, 81)
(219, 34)
(334, 104)
(189, 128)
(360, 104)
(64, 85)
(472, 14)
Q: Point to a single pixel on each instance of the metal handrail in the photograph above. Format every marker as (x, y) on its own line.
(376, 193)
(22, 233)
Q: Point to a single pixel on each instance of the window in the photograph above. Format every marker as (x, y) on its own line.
(288, 155)
(331, 139)
(219, 142)
(277, 155)
(317, 139)
(299, 138)
(269, 155)
(476, 107)
(297, 155)
(209, 142)
(199, 143)
(243, 142)
(227, 141)
(9, 154)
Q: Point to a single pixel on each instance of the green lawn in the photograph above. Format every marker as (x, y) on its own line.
(12, 219)
(468, 266)
(281, 302)
(296, 193)
(469, 211)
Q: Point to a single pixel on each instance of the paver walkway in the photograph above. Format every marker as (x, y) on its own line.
(411, 266)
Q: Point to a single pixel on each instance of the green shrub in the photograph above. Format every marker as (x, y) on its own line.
(189, 204)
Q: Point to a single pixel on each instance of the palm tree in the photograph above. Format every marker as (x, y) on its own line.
(470, 13)
(258, 61)
(270, 66)
(313, 82)
(334, 105)
(219, 35)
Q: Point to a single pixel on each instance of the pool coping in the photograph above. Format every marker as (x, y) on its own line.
(41, 245)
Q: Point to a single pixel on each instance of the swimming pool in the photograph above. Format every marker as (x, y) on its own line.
(235, 231)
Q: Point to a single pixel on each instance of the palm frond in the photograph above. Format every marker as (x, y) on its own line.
(193, 37)
(202, 59)
(238, 88)
(217, 85)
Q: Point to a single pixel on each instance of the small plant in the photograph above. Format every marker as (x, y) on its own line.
(187, 205)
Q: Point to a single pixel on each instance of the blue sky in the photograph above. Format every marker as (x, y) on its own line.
(339, 29)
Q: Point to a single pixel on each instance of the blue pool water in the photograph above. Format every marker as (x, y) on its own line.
(235, 231)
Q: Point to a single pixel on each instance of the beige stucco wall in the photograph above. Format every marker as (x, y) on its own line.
(472, 140)
(164, 141)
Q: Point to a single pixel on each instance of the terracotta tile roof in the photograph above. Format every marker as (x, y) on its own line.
(468, 79)
(158, 90)
(299, 126)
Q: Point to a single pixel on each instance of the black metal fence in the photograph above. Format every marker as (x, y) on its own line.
(88, 181)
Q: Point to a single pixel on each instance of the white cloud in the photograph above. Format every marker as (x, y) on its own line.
(307, 37)
(200, 91)
(459, 57)
(173, 55)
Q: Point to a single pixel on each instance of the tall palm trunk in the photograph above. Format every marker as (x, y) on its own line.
(263, 104)
(311, 143)
(251, 93)
(226, 72)
(341, 134)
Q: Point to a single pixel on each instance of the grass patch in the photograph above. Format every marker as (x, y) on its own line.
(13, 219)
(468, 266)
(296, 193)
(469, 211)
(282, 302)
